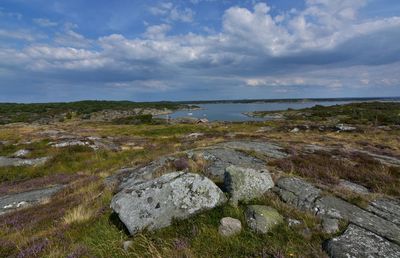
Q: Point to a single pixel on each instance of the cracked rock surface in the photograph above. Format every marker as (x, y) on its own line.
(155, 203)
(379, 221)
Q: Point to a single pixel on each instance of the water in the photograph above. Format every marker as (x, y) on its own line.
(234, 111)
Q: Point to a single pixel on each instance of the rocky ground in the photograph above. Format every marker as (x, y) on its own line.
(262, 189)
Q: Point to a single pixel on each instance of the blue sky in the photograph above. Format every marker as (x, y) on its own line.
(198, 49)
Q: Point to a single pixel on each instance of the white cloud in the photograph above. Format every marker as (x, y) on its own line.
(45, 22)
(172, 12)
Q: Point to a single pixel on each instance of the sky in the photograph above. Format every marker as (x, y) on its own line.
(153, 50)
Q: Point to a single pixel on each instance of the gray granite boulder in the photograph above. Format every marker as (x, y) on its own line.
(245, 184)
(155, 203)
(220, 158)
(261, 218)
(358, 242)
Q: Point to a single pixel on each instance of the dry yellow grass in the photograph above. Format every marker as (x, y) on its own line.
(78, 214)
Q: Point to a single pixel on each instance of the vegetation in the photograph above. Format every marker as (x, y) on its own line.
(376, 113)
(13, 112)
(77, 222)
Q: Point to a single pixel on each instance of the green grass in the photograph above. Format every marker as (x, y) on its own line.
(198, 236)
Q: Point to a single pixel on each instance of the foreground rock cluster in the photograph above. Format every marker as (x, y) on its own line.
(147, 200)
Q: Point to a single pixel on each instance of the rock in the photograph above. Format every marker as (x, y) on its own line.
(129, 176)
(18, 162)
(353, 187)
(388, 209)
(358, 242)
(203, 121)
(195, 135)
(297, 192)
(20, 200)
(384, 159)
(265, 148)
(262, 219)
(265, 129)
(229, 226)
(245, 184)
(293, 222)
(155, 203)
(337, 208)
(295, 130)
(127, 244)
(345, 128)
(330, 225)
(21, 153)
(220, 158)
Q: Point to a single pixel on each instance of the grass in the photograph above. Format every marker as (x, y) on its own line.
(78, 222)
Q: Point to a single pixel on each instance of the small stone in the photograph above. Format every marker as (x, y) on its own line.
(127, 245)
(21, 153)
(330, 225)
(229, 226)
(261, 218)
(295, 130)
(293, 222)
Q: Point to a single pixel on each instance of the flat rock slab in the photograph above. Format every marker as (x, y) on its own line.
(353, 187)
(19, 200)
(221, 158)
(297, 192)
(305, 196)
(265, 148)
(340, 209)
(358, 242)
(154, 204)
(386, 208)
(18, 162)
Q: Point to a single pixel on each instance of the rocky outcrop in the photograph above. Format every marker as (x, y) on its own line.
(12, 202)
(380, 218)
(297, 192)
(353, 187)
(388, 209)
(18, 162)
(229, 226)
(245, 184)
(265, 148)
(261, 218)
(155, 203)
(358, 242)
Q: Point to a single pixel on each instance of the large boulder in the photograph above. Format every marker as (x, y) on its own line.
(358, 242)
(155, 203)
(261, 218)
(245, 184)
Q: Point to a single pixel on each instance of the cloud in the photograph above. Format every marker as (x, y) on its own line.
(45, 22)
(324, 47)
(172, 12)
